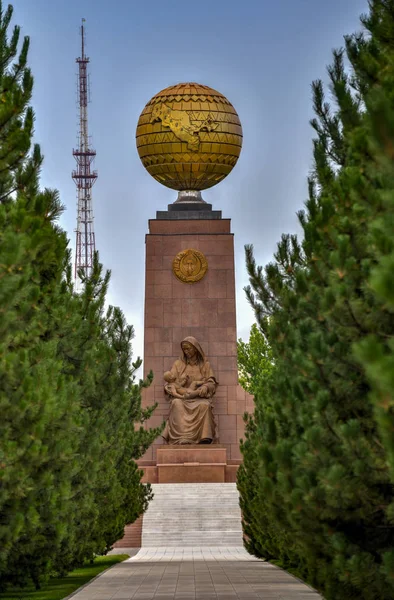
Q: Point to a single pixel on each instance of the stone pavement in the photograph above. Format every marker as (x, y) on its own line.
(195, 574)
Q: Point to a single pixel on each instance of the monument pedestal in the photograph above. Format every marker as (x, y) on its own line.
(175, 309)
(191, 464)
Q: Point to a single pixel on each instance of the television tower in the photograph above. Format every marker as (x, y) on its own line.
(83, 176)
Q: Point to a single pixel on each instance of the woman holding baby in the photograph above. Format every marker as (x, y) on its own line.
(190, 386)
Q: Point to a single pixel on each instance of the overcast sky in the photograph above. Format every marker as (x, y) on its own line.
(263, 55)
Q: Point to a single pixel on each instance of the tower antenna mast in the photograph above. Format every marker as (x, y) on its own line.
(83, 175)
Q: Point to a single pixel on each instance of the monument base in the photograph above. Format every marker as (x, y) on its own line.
(191, 464)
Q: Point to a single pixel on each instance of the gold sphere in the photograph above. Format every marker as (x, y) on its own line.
(189, 137)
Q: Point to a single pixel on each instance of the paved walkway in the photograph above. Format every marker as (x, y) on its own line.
(195, 574)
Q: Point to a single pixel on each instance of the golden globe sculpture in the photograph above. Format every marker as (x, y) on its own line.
(189, 138)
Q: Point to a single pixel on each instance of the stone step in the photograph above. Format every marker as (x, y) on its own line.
(193, 515)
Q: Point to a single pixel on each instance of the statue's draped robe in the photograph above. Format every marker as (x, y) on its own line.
(191, 421)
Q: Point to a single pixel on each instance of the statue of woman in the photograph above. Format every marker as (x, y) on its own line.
(190, 386)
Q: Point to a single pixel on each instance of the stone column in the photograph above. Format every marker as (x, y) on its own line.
(205, 309)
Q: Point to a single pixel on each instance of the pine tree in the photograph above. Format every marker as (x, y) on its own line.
(34, 410)
(256, 371)
(71, 420)
(376, 350)
(107, 486)
(323, 448)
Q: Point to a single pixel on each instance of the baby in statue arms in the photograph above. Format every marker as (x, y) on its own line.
(182, 387)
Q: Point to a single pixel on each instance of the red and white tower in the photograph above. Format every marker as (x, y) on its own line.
(83, 175)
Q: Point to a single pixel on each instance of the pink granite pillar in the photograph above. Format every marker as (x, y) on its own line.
(205, 310)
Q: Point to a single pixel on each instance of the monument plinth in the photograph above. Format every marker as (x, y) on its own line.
(191, 464)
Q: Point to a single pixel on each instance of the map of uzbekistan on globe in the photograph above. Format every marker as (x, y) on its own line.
(189, 137)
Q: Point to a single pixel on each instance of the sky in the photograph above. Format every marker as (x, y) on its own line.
(262, 55)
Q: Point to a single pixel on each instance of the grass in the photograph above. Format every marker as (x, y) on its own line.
(60, 587)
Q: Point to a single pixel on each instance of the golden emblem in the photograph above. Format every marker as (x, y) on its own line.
(182, 125)
(189, 137)
(190, 266)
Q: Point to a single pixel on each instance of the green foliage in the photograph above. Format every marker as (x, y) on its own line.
(320, 444)
(255, 362)
(71, 420)
(58, 588)
(256, 369)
